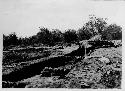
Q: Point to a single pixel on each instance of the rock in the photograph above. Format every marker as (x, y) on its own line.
(104, 60)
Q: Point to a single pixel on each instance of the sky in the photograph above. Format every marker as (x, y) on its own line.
(26, 16)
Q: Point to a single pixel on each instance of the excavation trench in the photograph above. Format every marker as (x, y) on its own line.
(36, 68)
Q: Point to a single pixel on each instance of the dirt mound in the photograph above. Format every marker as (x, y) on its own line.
(96, 74)
(108, 52)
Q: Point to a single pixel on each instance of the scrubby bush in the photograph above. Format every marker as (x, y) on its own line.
(44, 36)
(11, 39)
(70, 36)
(94, 26)
(83, 34)
(91, 28)
(57, 36)
(112, 32)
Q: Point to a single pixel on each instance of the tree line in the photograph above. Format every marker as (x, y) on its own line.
(93, 27)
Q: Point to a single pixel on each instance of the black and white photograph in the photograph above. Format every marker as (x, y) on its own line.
(66, 44)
